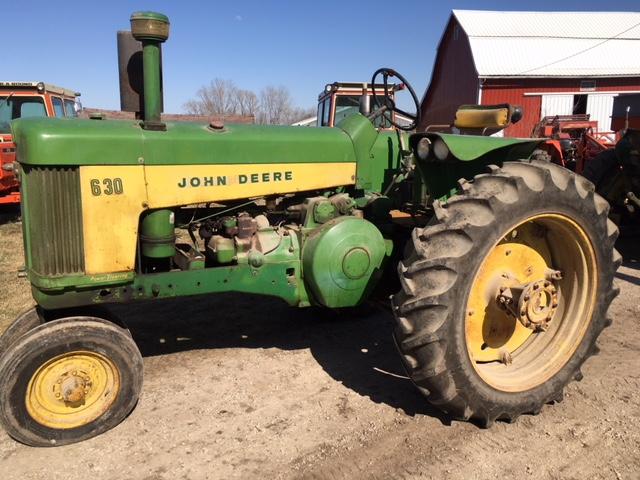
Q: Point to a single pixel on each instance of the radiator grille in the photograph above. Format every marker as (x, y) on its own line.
(53, 210)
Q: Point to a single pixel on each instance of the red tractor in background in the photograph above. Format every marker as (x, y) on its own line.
(26, 99)
(573, 140)
(609, 159)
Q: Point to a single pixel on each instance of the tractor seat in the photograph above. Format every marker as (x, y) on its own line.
(481, 119)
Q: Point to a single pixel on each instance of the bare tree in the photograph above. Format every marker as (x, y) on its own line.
(298, 114)
(274, 106)
(217, 98)
(247, 102)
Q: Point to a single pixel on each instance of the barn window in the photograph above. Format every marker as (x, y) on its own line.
(456, 32)
(587, 85)
(579, 104)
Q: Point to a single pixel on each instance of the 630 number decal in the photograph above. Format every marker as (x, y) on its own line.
(106, 186)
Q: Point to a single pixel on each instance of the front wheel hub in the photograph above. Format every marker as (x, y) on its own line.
(72, 388)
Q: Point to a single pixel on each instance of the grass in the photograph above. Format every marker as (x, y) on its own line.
(15, 293)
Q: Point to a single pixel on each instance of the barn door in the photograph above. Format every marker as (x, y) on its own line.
(600, 107)
(556, 105)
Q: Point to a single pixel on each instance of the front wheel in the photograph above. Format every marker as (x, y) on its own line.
(26, 321)
(505, 293)
(68, 380)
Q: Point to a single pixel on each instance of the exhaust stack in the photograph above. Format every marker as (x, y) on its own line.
(151, 29)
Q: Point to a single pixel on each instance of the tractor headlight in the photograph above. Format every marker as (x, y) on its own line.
(440, 149)
(423, 148)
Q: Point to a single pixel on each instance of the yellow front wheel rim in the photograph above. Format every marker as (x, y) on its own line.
(72, 389)
(509, 354)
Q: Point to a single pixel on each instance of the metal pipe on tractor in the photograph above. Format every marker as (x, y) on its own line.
(151, 29)
(500, 266)
(157, 235)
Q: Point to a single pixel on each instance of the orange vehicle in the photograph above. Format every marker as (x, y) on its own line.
(574, 140)
(26, 99)
(338, 100)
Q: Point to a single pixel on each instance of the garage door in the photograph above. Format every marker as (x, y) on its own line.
(556, 105)
(599, 107)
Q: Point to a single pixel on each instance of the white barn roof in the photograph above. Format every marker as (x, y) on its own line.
(553, 44)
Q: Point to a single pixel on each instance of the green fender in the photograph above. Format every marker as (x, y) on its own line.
(473, 147)
(469, 155)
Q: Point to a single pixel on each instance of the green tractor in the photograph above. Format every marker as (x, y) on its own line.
(503, 266)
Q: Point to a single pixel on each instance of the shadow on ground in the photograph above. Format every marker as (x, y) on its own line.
(354, 347)
(9, 213)
(629, 248)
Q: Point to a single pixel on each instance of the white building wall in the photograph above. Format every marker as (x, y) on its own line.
(600, 108)
(556, 105)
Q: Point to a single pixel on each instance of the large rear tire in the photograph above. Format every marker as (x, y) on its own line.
(506, 291)
(68, 380)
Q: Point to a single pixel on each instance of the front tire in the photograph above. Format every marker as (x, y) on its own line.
(485, 328)
(68, 380)
(26, 321)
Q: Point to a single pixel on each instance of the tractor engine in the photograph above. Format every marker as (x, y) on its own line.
(339, 251)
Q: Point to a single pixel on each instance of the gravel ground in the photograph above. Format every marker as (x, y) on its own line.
(245, 387)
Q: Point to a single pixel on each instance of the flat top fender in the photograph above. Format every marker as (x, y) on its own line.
(452, 157)
(472, 147)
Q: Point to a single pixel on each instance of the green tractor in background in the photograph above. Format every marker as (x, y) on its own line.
(502, 266)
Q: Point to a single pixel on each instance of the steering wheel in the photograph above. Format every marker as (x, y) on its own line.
(388, 105)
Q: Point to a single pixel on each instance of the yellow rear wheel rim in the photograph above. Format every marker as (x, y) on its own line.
(508, 355)
(72, 390)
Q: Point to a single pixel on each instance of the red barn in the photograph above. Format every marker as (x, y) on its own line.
(550, 63)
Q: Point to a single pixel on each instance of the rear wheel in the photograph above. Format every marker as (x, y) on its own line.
(505, 293)
(68, 380)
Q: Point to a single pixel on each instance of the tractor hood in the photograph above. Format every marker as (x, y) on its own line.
(55, 141)
(473, 147)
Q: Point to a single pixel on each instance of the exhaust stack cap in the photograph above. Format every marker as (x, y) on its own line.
(150, 26)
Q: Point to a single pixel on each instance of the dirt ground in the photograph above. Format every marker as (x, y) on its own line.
(245, 387)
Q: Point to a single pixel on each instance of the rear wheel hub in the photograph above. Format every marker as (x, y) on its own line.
(533, 304)
(537, 305)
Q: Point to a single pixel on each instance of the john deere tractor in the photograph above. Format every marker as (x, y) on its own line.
(503, 265)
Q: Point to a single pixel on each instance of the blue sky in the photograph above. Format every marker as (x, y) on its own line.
(302, 45)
